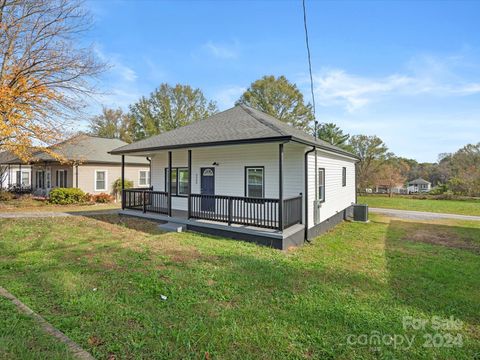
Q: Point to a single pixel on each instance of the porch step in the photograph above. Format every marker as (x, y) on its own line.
(172, 227)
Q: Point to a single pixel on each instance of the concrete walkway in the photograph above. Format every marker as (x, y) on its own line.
(421, 215)
(47, 214)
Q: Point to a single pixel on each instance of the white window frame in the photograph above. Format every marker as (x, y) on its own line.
(106, 180)
(344, 176)
(321, 183)
(147, 177)
(27, 183)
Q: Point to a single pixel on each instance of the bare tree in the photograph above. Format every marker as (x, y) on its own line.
(45, 75)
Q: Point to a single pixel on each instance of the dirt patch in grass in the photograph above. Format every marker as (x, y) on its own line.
(443, 237)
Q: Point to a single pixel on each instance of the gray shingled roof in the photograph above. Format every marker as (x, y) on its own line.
(238, 124)
(85, 149)
(418, 182)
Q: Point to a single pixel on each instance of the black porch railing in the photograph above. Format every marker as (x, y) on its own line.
(146, 200)
(292, 211)
(259, 212)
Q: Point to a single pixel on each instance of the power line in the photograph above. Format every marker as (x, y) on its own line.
(309, 64)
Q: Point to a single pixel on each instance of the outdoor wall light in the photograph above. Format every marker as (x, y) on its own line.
(215, 164)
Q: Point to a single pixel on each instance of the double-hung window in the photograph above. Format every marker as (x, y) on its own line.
(61, 178)
(254, 182)
(144, 178)
(179, 186)
(321, 184)
(344, 176)
(100, 180)
(25, 178)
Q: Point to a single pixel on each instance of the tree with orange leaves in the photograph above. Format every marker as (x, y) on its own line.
(45, 76)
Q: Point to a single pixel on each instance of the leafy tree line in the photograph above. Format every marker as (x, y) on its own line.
(169, 107)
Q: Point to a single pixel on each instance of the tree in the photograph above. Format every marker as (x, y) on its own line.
(281, 99)
(44, 73)
(113, 124)
(332, 134)
(464, 169)
(391, 174)
(169, 108)
(372, 152)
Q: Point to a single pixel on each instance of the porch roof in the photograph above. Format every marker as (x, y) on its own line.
(240, 124)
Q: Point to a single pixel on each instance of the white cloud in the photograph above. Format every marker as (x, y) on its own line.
(222, 51)
(424, 76)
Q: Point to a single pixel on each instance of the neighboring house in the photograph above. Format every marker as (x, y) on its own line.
(87, 165)
(244, 174)
(419, 186)
(16, 176)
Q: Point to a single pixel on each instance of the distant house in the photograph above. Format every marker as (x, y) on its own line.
(87, 165)
(14, 176)
(418, 186)
(244, 174)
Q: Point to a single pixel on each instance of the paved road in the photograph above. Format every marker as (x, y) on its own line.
(409, 214)
(47, 214)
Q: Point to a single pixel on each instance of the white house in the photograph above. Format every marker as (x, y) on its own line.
(419, 186)
(246, 175)
(14, 176)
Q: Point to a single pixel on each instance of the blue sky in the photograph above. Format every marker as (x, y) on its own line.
(406, 71)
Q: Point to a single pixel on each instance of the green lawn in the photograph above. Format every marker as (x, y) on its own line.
(100, 281)
(462, 207)
(20, 337)
(28, 203)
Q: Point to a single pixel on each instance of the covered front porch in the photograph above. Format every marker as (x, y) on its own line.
(254, 214)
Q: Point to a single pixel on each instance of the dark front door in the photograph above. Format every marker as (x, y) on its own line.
(207, 187)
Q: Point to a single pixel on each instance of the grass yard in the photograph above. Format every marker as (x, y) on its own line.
(27, 203)
(462, 207)
(20, 337)
(100, 281)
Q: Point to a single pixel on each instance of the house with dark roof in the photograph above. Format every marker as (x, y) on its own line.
(14, 177)
(85, 164)
(419, 186)
(244, 174)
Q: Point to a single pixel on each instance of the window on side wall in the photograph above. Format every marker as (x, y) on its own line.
(344, 176)
(100, 180)
(321, 184)
(144, 178)
(254, 182)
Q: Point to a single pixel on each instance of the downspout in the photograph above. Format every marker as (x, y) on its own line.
(150, 172)
(306, 193)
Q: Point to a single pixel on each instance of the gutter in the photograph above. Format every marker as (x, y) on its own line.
(306, 192)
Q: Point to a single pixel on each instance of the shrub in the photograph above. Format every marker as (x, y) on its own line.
(65, 196)
(117, 186)
(102, 198)
(6, 196)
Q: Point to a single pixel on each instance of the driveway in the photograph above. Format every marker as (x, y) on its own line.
(421, 215)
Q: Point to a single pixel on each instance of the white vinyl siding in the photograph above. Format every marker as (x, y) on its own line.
(337, 197)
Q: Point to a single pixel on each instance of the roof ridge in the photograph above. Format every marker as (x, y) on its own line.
(249, 111)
